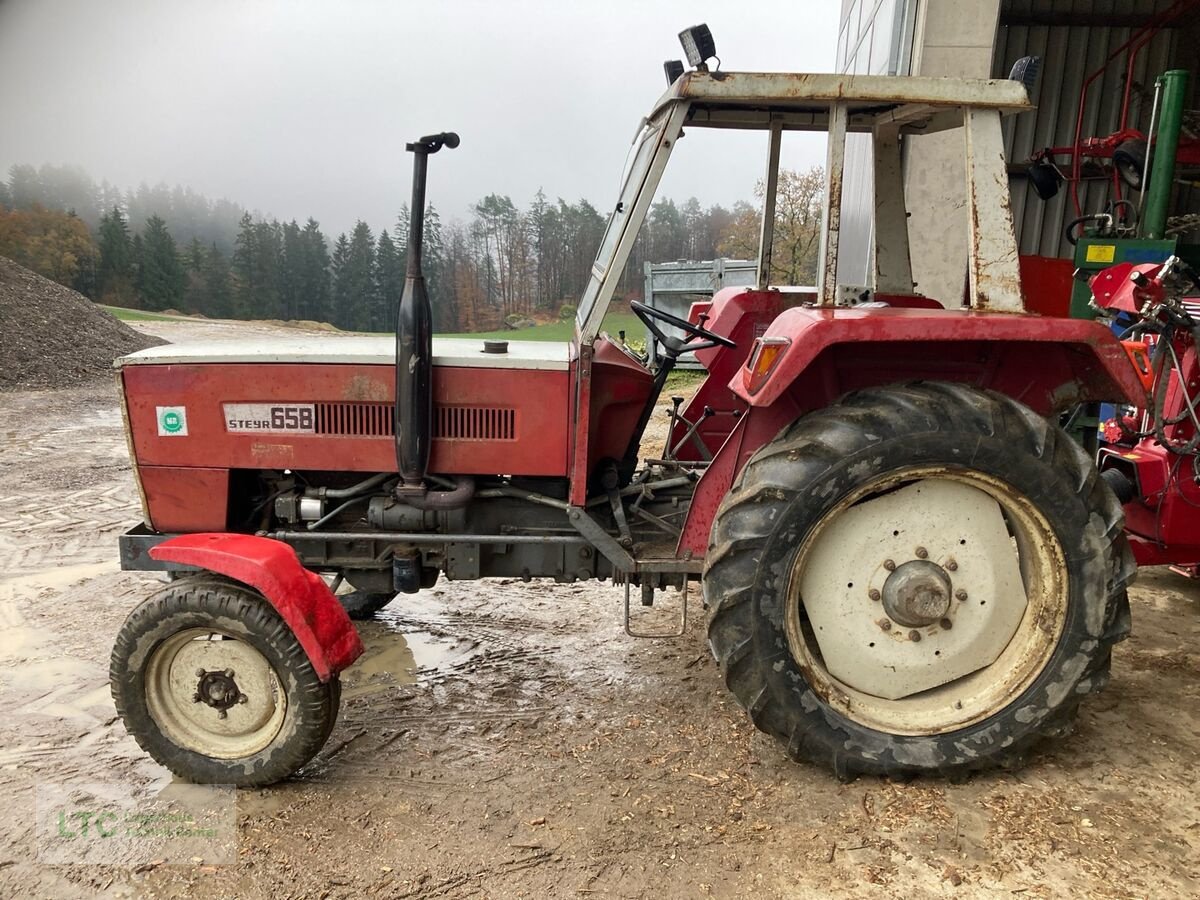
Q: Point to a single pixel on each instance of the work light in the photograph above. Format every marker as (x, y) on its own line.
(698, 44)
(673, 68)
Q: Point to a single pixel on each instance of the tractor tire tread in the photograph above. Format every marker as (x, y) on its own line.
(204, 600)
(783, 470)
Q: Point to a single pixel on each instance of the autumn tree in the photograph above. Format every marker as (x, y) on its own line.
(797, 235)
(54, 244)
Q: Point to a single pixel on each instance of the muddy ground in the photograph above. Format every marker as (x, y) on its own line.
(502, 739)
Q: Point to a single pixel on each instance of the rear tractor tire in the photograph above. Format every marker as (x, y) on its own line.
(922, 578)
(212, 683)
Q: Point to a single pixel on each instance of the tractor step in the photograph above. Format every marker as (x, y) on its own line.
(648, 600)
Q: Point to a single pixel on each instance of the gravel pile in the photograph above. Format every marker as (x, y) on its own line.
(51, 336)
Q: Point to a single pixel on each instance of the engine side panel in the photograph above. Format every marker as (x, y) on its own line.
(338, 417)
(186, 499)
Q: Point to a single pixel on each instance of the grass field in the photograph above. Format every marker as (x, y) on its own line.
(133, 315)
(555, 331)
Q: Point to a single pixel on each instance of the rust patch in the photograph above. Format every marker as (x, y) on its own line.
(272, 451)
(365, 387)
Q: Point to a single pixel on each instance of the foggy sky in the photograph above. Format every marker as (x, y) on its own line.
(303, 108)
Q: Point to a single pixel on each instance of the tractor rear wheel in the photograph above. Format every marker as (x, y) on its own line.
(212, 683)
(920, 578)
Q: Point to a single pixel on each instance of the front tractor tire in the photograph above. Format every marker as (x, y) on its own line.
(212, 683)
(922, 578)
(362, 606)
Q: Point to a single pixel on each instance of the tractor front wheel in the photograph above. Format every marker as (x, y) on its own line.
(213, 684)
(920, 578)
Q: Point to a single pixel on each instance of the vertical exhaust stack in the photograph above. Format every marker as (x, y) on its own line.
(414, 339)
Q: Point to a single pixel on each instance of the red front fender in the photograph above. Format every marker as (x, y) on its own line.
(301, 597)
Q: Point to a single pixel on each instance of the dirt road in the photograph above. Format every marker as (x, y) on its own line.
(502, 739)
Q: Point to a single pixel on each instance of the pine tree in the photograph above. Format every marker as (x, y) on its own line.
(217, 284)
(24, 186)
(162, 280)
(341, 311)
(289, 274)
(245, 267)
(313, 274)
(269, 236)
(115, 272)
(389, 283)
(358, 273)
(138, 252)
(194, 258)
(441, 295)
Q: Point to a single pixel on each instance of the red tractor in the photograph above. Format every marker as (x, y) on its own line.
(1151, 454)
(907, 566)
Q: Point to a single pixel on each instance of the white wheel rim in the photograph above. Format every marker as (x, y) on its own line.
(970, 564)
(196, 675)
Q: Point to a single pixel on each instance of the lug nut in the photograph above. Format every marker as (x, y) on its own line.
(229, 673)
(242, 698)
(889, 565)
(222, 715)
(960, 595)
(922, 553)
(945, 623)
(200, 673)
(914, 636)
(196, 698)
(886, 624)
(873, 594)
(952, 566)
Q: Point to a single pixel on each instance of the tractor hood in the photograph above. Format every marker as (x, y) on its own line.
(353, 350)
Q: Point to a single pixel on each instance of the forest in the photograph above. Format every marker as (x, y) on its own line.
(169, 248)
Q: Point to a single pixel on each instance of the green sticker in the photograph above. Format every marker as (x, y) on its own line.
(172, 421)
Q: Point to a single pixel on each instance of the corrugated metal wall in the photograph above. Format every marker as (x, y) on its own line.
(1070, 53)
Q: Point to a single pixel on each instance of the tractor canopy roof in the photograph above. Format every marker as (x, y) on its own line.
(802, 101)
(889, 109)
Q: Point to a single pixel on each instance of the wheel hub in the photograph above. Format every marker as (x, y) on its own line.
(214, 695)
(912, 589)
(917, 593)
(217, 689)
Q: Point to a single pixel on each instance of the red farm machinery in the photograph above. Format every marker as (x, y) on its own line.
(908, 567)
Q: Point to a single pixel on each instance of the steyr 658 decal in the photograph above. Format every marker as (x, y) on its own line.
(269, 418)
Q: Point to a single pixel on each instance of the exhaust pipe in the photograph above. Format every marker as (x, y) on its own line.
(413, 414)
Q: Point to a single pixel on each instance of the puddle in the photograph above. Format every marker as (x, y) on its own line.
(395, 658)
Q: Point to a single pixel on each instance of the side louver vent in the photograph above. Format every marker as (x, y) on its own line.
(450, 423)
(369, 419)
(474, 423)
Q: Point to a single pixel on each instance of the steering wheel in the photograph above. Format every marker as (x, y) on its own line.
(694, 332)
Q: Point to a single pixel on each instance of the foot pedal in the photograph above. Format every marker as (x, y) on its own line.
(629, 630)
